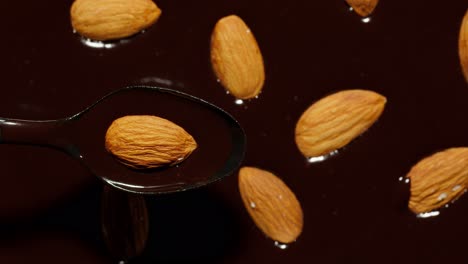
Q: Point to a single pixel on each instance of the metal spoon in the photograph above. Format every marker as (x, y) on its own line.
(221, 140)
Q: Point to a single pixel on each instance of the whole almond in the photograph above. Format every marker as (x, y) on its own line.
(438, 179)
(463, 45)
(272, 205)
(144, 141)
(363, 8)
(335, 120)
(112, 19)
(236, 58)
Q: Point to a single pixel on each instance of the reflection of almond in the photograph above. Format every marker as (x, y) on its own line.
(438, 179)
(463, 45)
(148, 141)
(112, 19)
(335, 120)
(124, 222)
(236, 58)
(271, 204)
(363, 7)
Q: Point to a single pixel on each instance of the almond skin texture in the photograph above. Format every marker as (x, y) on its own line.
(363, 8)
(438, 179)
(145, 142)
(112, 19)
(463, 45)
(236, 58)
(335, 120)
(272, 205)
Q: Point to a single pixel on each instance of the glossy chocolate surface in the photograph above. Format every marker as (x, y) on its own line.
(354, 203)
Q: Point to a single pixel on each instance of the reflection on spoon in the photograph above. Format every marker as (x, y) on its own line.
(125, 224)
(221, 140)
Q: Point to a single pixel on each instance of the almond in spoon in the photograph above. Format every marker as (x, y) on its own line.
(145, 142)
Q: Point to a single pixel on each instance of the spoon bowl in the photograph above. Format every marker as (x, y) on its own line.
(221, 144)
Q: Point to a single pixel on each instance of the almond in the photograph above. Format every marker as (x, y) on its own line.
(144, 141)
(363, 7)
(335, 120)
(236, 58)
(438, 179)
(463, 45)
(272, 205)
(112, 19)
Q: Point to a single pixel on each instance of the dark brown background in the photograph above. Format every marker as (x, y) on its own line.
(354, 205)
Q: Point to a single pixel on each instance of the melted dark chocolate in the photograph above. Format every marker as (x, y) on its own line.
(354, 203)
(220, 139)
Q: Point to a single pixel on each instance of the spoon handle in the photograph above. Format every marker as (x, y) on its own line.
(31, 132)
